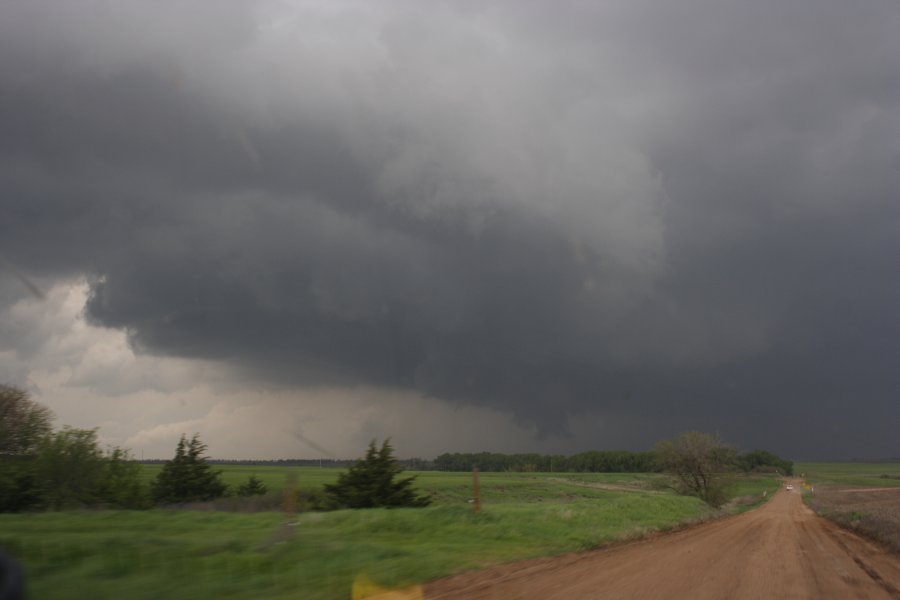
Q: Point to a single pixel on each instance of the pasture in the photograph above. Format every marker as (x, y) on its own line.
(197, 554)
(852, 474)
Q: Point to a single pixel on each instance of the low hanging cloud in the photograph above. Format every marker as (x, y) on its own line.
(657, 214)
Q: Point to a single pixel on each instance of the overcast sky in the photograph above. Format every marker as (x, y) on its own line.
(508, 226)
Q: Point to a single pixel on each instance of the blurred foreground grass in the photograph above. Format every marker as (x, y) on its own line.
(209, 554)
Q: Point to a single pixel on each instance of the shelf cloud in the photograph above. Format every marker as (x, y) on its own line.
(646, 213)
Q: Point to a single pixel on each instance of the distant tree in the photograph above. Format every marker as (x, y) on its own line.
(70, 468)
(40, 468)
(252, 487)
(23, 425)
(187, 477)
(23, 422)
(699, 462)
(372, 482)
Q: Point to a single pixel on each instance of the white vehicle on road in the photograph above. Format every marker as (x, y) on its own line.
(789, 487)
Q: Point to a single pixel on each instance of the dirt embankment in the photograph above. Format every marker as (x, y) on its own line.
(781, 550)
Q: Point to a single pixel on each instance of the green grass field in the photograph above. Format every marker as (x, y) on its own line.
(886, 474)
(445, 485)
(212, 554)
(274, 478)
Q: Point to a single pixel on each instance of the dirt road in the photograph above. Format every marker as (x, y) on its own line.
(781, 550)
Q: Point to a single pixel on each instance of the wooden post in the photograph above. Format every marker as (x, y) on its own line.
(290, 497)
(476, 489)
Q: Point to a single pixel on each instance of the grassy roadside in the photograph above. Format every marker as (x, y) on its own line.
(749, 492)
(275, 478)
(197, 555)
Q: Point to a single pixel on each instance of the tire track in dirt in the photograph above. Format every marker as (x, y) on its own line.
(780, 550)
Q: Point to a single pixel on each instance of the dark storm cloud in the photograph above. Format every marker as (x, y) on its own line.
(676, 216)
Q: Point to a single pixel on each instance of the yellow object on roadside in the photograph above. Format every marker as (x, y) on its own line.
(366, 589)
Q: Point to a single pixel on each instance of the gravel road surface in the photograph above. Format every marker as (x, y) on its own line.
(781, 550)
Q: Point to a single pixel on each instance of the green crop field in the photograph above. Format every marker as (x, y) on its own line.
(195, 554)
(884, 474)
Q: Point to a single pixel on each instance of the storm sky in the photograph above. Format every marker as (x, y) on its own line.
(509, 226)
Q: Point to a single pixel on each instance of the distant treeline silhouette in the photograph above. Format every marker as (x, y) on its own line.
(596, 461)
(277, 462)
(415, 464)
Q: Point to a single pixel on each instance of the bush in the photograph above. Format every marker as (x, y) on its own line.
(18, 484)
(371, 483)
(253, 487)
(70, 468)
(122, 487)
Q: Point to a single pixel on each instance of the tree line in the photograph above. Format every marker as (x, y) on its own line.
(53, 470)
(331, 463)
(597, 461)
(42, 468)
(45, 469)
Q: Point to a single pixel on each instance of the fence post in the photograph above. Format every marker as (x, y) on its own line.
(476, 489)
(290, 497)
